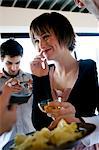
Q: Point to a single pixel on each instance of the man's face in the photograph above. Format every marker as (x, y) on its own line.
(11, 64)
(91, 5)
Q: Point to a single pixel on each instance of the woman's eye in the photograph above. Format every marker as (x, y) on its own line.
(46, 37)
(36, 41)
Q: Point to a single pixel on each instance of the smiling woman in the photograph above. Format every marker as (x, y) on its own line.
(55, 41)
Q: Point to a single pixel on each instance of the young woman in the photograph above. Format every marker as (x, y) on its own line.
(74, 81)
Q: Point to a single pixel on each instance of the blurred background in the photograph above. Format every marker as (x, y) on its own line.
(16, 16)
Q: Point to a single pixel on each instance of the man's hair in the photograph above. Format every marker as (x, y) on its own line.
(56, 23)
(11, 48)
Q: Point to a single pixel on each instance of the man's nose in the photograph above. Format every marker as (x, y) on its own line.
(13, 67)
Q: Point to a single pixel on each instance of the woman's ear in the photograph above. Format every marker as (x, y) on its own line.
(79, 3)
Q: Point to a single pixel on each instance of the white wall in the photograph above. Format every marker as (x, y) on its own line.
(18, 20)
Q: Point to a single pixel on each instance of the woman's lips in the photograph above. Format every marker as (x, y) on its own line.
(47, 50)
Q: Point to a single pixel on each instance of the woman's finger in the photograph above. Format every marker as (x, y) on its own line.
(54, 124)
(67, 119)
(64, 107)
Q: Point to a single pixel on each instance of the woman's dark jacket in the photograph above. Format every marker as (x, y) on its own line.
(83, 95)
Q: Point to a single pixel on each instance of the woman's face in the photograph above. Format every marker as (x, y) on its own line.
(47, 44)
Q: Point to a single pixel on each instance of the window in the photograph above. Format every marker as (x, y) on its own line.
(87, 47)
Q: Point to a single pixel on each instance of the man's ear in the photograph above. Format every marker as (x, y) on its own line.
(79, 3)
(2, 58)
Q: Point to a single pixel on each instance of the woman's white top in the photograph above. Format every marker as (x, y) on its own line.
(93, 138)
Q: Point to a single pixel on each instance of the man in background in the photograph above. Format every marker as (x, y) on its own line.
(11, 53)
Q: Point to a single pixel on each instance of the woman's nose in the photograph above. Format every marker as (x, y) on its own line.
(42, 44)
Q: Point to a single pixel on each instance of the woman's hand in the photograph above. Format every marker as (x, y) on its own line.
(61, 110)
(39, 66)
(68, 119)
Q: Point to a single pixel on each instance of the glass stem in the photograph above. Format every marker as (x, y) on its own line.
(59, 99)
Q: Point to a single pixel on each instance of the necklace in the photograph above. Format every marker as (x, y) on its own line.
(57, 94)
(59, 91)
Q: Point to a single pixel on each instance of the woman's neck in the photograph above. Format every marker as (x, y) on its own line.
(65, 66)
(64, 76)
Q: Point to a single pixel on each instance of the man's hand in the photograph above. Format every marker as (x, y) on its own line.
(7, 118)
(12, 86)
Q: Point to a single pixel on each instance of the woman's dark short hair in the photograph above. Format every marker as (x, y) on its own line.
(11, 48)
(56, 22)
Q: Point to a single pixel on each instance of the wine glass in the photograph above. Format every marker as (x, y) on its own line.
(59, 97)
(43, 104)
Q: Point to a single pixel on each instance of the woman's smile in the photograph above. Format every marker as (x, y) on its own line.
(48, 52)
